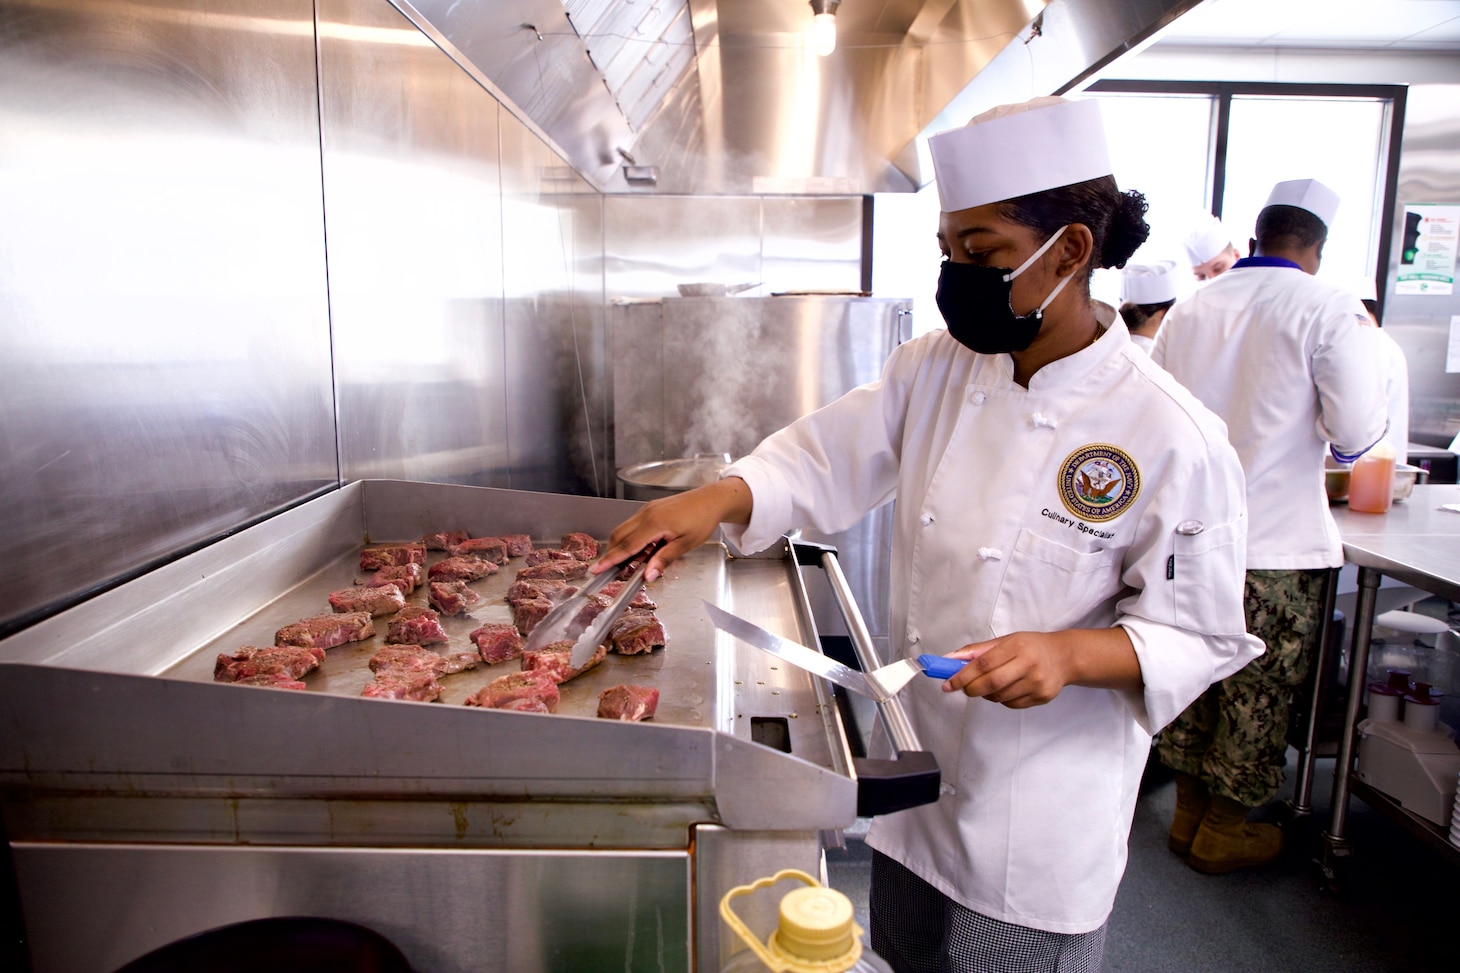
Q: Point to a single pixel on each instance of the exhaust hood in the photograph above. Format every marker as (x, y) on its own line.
(728, 97)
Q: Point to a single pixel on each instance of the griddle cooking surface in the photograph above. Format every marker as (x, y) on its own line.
(683, 671)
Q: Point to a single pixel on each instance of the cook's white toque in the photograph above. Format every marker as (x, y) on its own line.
(1148, 283)
(1015, 150)
(1206, 241)
(1308, 194)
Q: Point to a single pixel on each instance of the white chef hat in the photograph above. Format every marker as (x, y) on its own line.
(1308, 194)
(1206, 241)
(1148, 283)
(1015, 150)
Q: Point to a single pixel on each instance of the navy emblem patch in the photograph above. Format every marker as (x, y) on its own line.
(1099, 482)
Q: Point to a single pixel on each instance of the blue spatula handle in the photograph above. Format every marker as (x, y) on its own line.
(938, 666)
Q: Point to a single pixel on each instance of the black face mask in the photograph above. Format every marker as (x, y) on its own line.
(975, 301)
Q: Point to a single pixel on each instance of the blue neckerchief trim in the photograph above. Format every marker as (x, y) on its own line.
(1265, 262)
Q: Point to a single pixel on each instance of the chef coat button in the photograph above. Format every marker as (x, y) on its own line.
(1190, 528)
(914, 638)
(925, 519)
(977, 398)
(947, 788)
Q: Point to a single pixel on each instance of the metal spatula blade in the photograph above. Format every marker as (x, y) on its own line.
(879, 684)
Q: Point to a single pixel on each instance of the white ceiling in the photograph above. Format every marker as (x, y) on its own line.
(1410, 25)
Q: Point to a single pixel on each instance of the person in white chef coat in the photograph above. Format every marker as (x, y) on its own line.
(1147, 292)
(1210, 249)
(1392, 364)
(1069, 520)
(1279, 355)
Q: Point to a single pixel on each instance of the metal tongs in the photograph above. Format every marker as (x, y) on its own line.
(562, 623)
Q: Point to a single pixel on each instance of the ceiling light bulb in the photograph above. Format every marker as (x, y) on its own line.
(823, 34)
(823, 26)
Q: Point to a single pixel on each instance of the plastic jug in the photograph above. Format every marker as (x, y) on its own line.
(816, 933)
(1371, 484)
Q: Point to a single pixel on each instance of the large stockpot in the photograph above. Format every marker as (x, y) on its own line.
(665, 478)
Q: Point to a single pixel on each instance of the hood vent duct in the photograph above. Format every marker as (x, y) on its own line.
(729, 98)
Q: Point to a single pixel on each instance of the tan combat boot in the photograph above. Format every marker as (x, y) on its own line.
(1226, 841)
(1192, 799)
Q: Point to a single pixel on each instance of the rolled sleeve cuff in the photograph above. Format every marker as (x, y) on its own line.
(1177, 666)
(770, 512)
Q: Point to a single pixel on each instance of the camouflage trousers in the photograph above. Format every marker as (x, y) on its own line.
(1234, 737)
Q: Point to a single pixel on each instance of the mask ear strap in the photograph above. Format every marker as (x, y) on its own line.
(1054, 293)
(1036, 255)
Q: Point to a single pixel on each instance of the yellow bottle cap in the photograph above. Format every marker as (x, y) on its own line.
(816, 924)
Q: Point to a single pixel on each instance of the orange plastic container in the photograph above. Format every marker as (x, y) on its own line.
(1371, 484)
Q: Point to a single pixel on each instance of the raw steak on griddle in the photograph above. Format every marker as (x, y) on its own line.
(388, 555)
(556, 660)
(582, 546)
(462, 567)
(451, 597)
(518, 690)
(518, 544)
(396, 683)
(444, 540)
(326, 631)
(630, 703)
(554, 570)
(497, 643)
(418, 658)
(403, 576)
(492, 549)
(636, 632)
(415, 625)
(249, 662)
(384, 600)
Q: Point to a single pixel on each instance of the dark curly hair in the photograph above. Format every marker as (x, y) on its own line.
(1117, 220)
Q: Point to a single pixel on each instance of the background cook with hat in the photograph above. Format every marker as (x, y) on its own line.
(1147, 292)
(1209, 248)
(1069, 520)
(1279, 356)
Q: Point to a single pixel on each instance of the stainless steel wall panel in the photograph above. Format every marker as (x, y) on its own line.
(413, 210)
(162, 304)
(552, 258)
(653, 243)
(811, 243)
(1429, 172)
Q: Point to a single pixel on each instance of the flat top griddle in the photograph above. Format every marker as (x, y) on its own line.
(682, 671)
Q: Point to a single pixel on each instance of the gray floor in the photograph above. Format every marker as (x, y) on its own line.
(1398, 912)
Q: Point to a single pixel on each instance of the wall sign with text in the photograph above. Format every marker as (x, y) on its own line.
(1427, 260)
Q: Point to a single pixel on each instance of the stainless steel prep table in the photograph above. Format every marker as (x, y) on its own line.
(137, 789)
(1418, 543)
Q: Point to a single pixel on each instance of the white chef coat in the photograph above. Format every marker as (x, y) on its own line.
(1143, 342)
(1279, 356)
(1396, 387)
(1034, 820)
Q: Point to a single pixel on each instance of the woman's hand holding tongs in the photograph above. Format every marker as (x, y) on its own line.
(678, 524)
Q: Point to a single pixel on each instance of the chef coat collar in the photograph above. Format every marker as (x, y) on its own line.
(1068, 370)
(1265, 262)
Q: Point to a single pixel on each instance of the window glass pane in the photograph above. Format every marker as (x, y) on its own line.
(1337, 141)
(1159, 144)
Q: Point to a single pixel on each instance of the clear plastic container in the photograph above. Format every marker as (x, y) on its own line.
(1371, 483)
(815, 934)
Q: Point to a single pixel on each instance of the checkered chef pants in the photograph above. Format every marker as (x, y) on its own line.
(918, 929)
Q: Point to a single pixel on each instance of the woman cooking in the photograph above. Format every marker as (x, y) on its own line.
(1069, 521)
